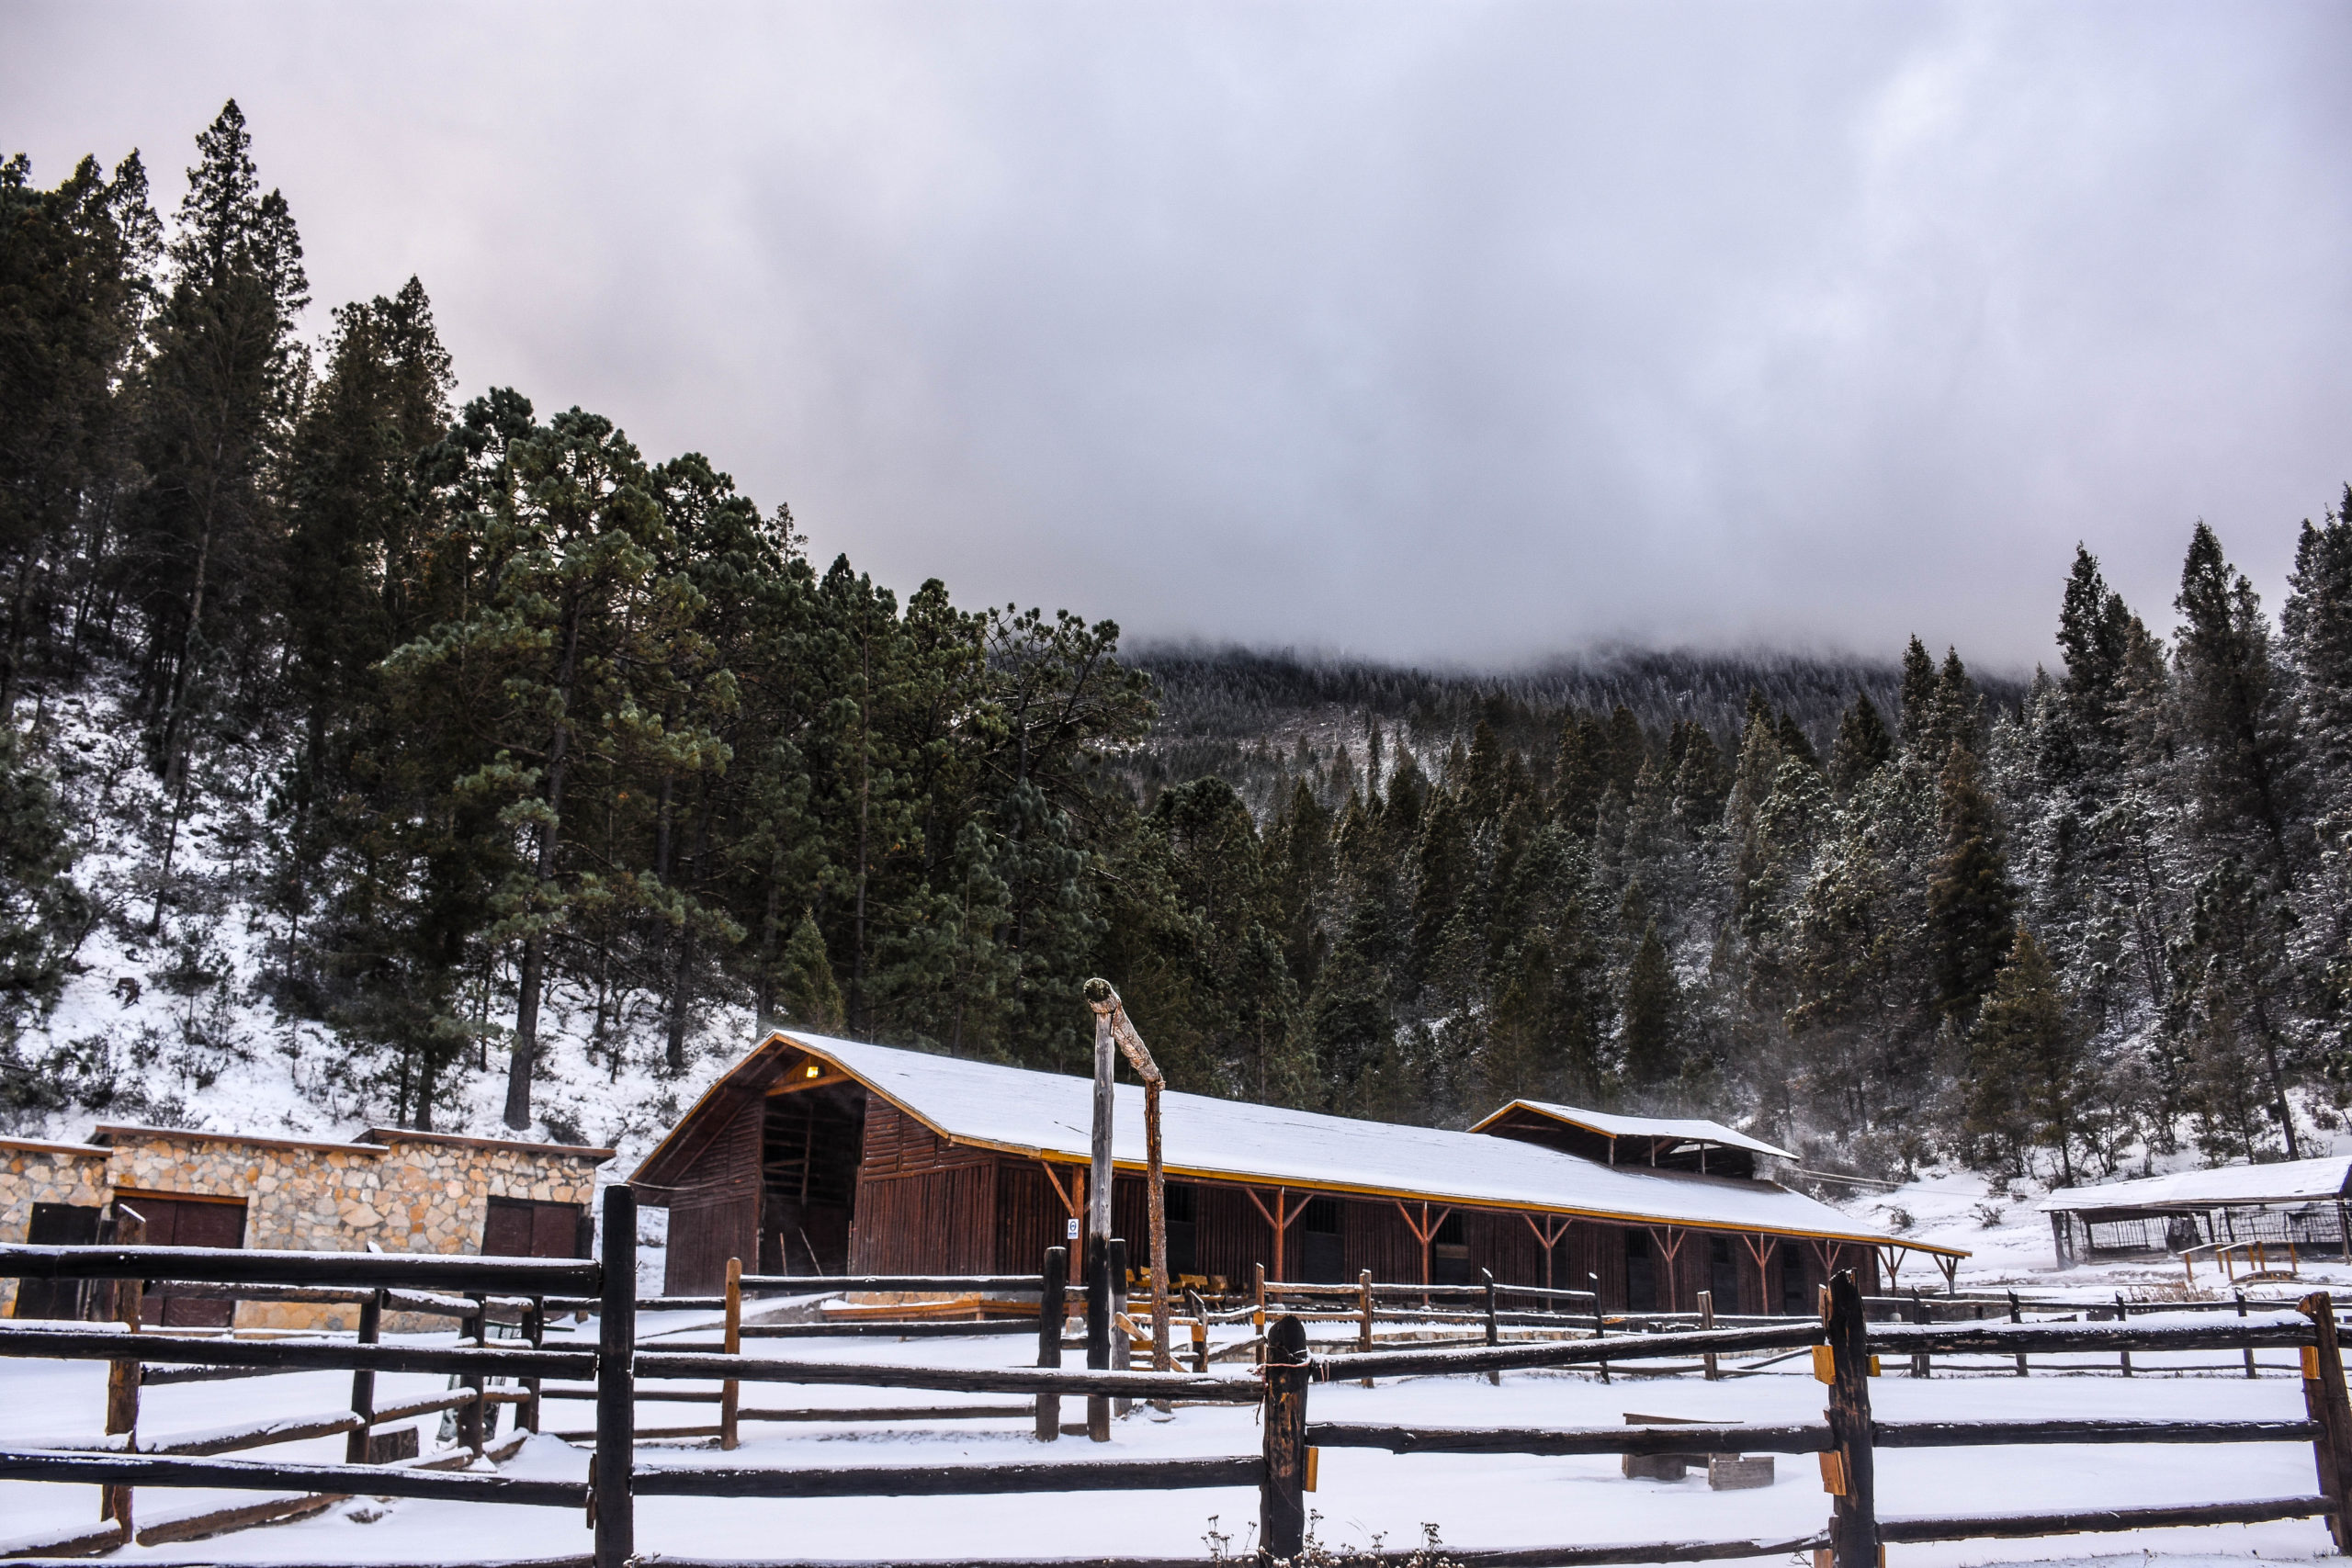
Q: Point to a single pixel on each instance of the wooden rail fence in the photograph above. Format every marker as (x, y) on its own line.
(1843, 1341)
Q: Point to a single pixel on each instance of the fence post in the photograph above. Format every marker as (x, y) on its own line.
(1281, 1494)
(1849, 1469)
(363, 1382)
(2323, 1397)
(2249, 1349)
(1707, 1322)
(1494, 1323)
(2123, 1316)
(610, 1501)
(1920, 1367)
(1123, 1346)
(730, 1391)
(1258, 1317)
(2017, 1315)
(1600, 1321)
(472, 1416)
(1098, 1334)
(535, 1329)
(122, 1377)
(1053, 1311)
(1364, 1306)
(1199, 1310)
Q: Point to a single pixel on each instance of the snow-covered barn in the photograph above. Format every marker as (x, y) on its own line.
(822, 1156)
(2297, 1202)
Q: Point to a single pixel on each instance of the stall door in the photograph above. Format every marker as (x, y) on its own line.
(518, 1227)
(57, 1225)
(185, 1221)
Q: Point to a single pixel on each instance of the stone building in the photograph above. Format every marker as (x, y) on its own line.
(389, 1190)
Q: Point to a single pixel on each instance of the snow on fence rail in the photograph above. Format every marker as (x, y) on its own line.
(1843, 1342)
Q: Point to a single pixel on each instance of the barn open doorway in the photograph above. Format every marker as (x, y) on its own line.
(812, 1140)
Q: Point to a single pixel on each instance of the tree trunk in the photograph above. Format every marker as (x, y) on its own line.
(534, 947)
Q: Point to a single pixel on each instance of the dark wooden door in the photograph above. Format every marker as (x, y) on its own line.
(520, 1227)
(57, 1225)
(182, 1222)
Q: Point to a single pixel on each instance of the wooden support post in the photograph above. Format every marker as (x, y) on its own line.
(2323, 1397)
(1122, 1347)
(1098, 1334)
(1848, 1469)
(610, 1499)
(2249, 1349)
(2122, 1315)
(122, 1380)
(1258, 1317)
(730, 1391)
(1599, 1320)
(1920, 1366)
(1364, 1307)
(535, 1329)
(1494, 1323)
(1707, 1321)
(1198, 1310)
(1053, 1311)
(363, 1382)
(1282, 1494)
(2017, 1315)
(473, 1416)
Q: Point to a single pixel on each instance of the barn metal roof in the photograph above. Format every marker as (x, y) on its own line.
(2289, 1181)
(1689, 1129)
(1049, 1116)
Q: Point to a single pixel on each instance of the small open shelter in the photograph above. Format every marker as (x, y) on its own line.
(2299, 1203)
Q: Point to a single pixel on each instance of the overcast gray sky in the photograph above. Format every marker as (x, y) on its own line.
(1449, 331)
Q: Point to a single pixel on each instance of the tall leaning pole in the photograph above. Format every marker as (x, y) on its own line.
(1113, 1025)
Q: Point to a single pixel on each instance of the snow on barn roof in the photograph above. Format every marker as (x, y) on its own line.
(1049, 1115)
(2289, 1181)
(1689, 1129)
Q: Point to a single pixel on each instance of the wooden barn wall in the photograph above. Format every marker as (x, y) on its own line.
(715, 1215)
(923, 1205)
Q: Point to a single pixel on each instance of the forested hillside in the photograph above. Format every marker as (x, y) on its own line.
(457, 719)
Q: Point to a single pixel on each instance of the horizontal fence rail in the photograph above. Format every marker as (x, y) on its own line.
(523, 1276)
(950, 1480)
(953, 1379)
(253, 1476)
(292, 1355)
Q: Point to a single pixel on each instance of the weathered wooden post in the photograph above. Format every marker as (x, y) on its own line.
(363, 1382)
(1281, 1494)
(2249, 1349)
(1098, 1335)
(1199, 1310)
(1112, 1013)
(2124, 1315)
(1494, 1322)
(2017, 1315)
(1847, 1470)
(731, 1342)
(2323, 1397)
(122, 1377)
(472, 1416)
(1707, 1322)
(1920, 1367)
(1098, 1229)
(1258, 1317)
(1053, 1311)
(610, 1501)
(1363, 1308)
(1122, 1346)
(535, 1329)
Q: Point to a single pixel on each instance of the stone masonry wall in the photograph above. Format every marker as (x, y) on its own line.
(44, 1173)
(401, 1192)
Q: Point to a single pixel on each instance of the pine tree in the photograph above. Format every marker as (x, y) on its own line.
(2094, 632)
(2026, 1087)
(806, 991)
(1917, 717)
(1651, 1014)
(1971, 901)
(2230, 703)
(1861, 747)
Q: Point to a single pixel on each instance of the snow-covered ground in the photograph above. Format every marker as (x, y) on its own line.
(1364, 1497)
